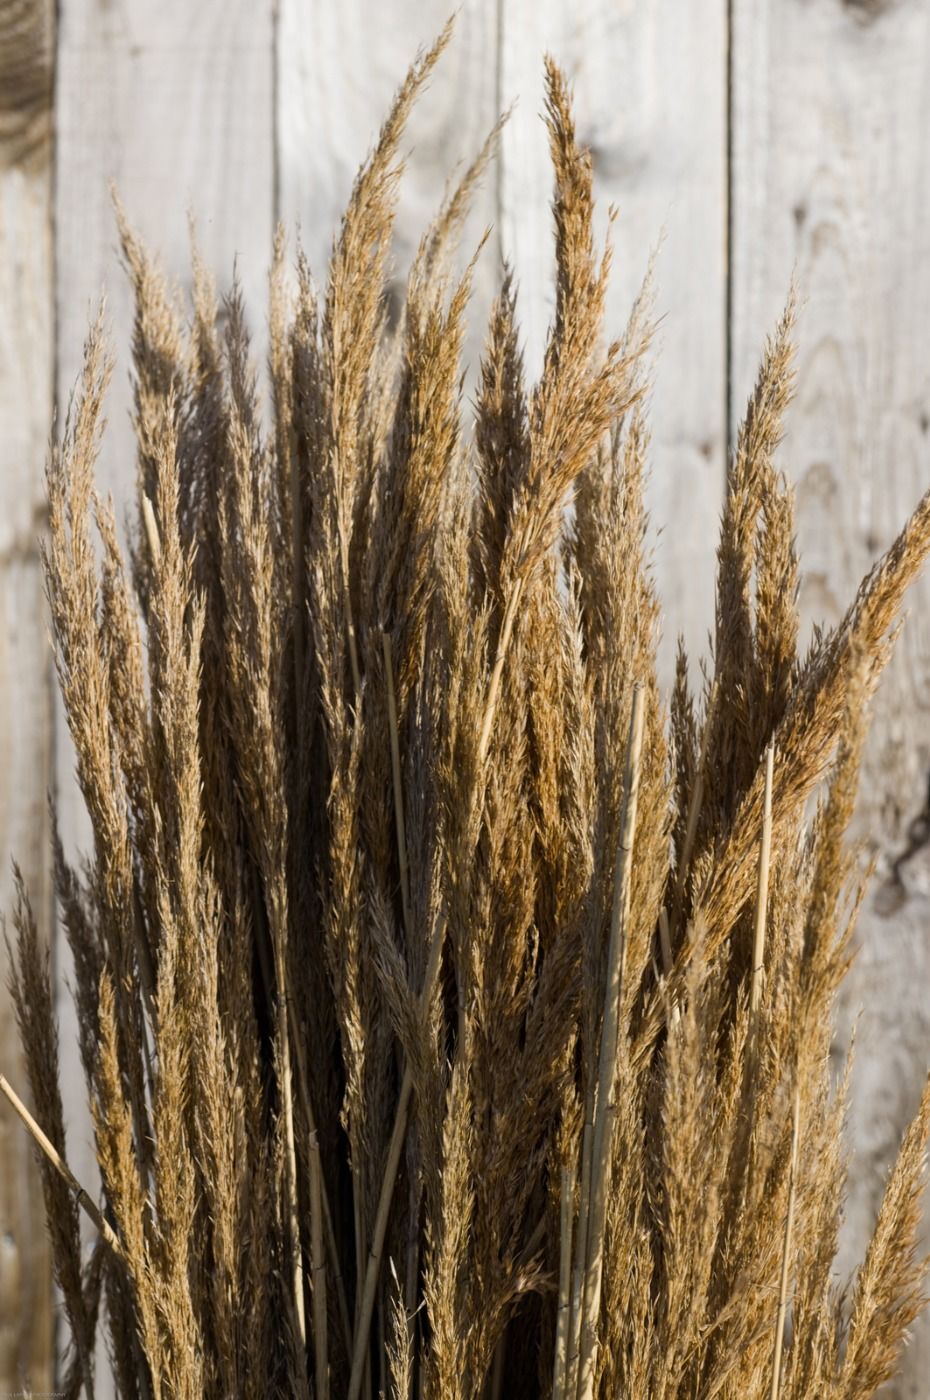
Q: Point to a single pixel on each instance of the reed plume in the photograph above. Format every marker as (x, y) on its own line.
(455, 1009)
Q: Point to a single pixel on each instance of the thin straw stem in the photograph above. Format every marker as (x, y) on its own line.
(298, 562)
(762, 888)
(665, 943)
(695, 803)
(605, 1109)
(566, 1214)
(668, 963)
(535, 1239)
(318, 1271)
(52, 1155)
(503, 645)
(396, 777)
(329, 1233)
(434, 962)
(758, 959)
(391, 1166)
(496, 1387)
(350, 620)
(581, 1242)
(786, 1247)
(412, 1268)
(151, 529)
(290, 1157)
(306, 1104)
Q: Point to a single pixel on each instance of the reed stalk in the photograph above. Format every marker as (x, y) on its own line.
(566, 1217)
(605, 1108)
(762, 888)
(48, 1150)
(786, 1247)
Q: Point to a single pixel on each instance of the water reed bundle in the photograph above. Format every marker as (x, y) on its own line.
(455, 1010)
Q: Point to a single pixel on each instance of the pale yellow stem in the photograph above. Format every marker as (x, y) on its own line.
(396, 777)
(566, 1214)
(762, 889)
(52, 1155)
(434, 961)
(605, 1110)
(786, 1246)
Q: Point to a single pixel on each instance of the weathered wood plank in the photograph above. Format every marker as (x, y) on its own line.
(650, 96)
(174, 103)
(337, 70)
(651, 101)
(26, 49)
(831, 174)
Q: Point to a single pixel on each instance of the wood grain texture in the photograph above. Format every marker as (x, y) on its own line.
(651, 101)
(173, 103)
(650, 98)
(26, 52)
(831, 175)
(338, 66)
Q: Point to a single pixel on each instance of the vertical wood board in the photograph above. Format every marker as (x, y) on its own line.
(338, 67)
(831, 178)
(26, 56)
(650, 100)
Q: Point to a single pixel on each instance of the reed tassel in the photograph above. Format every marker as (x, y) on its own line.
(695, 803)
(387, 649)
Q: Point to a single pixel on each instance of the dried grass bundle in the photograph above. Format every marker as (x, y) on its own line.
(455, 1019)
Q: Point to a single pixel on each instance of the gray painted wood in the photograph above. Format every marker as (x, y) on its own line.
(831, 176)
(26, 339)
(338, 67)
(650, 99)
(246, 110)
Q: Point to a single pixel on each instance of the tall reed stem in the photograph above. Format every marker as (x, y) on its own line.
(750, 1064)
(391, 1167)
(52, 1155)
(329, 1234)
(151, 529)
(786, 1247)
(605, 1107)
(290, 1157)
(566, 1216)
(399, 824)
(350, 619)
(695, 803)
(762, 889)
(318, 1271)
(581, 1243)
